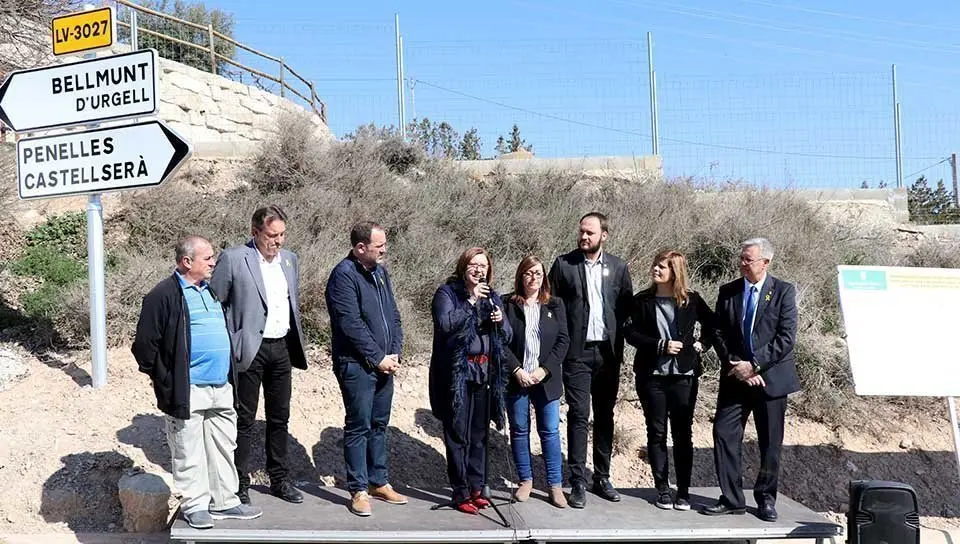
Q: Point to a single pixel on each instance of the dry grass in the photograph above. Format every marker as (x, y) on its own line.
(434, 211)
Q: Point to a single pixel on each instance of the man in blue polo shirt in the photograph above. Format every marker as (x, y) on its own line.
(183, 345)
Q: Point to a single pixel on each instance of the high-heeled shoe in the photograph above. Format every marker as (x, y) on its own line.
(479, 501)
(467, 507)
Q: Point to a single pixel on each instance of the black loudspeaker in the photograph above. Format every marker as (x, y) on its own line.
(882, 512)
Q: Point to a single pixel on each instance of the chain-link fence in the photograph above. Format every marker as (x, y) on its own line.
(592, 97)
(206, 48)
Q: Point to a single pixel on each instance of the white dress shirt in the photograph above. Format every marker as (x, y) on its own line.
(596, 329)
(278, 297)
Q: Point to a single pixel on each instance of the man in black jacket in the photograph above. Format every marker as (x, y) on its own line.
(366, 354)
(182, 344)
(597, 291)
(757, 319)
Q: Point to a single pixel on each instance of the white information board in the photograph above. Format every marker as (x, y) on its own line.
(902, 326)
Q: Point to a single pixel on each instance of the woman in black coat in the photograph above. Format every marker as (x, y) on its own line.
(539, 344)
(469, 332)
(671, 326)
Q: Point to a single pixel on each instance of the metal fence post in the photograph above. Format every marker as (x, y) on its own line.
(896, 126)
(282, 84)
(953, 172)
(313, 98)
(134, 39)
(213, 52)
(654, 121)
(401, 121)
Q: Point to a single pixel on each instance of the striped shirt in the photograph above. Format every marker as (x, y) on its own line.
(209, 341)
(531, 337)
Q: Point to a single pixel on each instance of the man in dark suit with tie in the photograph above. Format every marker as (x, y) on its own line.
(758, 326)
(597, 292)
(260, 291)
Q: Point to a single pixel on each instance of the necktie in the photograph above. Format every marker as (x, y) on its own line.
(749, 309)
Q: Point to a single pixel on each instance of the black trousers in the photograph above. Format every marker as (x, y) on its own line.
(594, 377)
(670, 398)
(735, 403)
(465, 435)
(272, 369)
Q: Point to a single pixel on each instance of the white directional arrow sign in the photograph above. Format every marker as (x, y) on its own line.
(99, 160)
(82, 92)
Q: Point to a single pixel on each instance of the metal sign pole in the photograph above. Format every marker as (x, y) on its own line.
(95, 274)
(98, 299)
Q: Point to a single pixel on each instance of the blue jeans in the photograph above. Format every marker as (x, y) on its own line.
(367, 396)
(548, 427)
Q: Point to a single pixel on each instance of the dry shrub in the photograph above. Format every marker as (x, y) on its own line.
(627, 440)
(432, 215)
(11, 238)
(934, 254)
(126, 284)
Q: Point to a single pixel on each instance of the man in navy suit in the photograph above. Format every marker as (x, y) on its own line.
(757, 315)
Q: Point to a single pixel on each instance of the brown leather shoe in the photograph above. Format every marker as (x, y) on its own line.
(523, 492)
(387, 494)
(360, 504)
(557, 497)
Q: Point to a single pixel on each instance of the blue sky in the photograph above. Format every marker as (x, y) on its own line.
(778, 93)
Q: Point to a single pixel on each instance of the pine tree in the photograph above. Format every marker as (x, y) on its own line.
(470, 146)
(502, 146)
(512, 144)
(931, 206)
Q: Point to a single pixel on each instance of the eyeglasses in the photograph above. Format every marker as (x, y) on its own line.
(477, 267)
(744, 261)
(533, 275)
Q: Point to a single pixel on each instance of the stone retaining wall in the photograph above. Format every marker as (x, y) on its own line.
(210, 111)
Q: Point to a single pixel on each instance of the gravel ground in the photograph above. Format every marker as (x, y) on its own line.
(12, 367)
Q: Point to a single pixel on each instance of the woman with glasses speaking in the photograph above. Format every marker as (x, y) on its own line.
(467, 372)
(536, 351)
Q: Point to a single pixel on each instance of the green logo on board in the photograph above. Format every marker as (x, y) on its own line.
(864, 280)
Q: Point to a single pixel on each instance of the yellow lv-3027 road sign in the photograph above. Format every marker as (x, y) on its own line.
(83, 31)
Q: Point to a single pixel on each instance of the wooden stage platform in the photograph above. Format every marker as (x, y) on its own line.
(324, 517)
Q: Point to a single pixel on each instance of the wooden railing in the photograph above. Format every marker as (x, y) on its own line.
(309, 95)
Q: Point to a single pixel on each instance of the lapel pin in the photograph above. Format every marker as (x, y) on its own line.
(769, 295)
(550, 315)
(606, 271)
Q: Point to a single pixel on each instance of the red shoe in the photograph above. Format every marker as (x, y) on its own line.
(467, 507)
(479, 501)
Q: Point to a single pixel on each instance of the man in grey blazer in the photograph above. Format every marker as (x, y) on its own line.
(258, 287)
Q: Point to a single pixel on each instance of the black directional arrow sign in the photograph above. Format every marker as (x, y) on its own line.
(99, 160)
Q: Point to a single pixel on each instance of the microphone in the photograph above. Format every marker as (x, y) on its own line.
(486, 303)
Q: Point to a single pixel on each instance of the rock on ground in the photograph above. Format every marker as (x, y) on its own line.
(144, 498)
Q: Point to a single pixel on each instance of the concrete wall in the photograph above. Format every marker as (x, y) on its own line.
(644, 168)
(887, 207)
(221, 117)
(875, 207)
